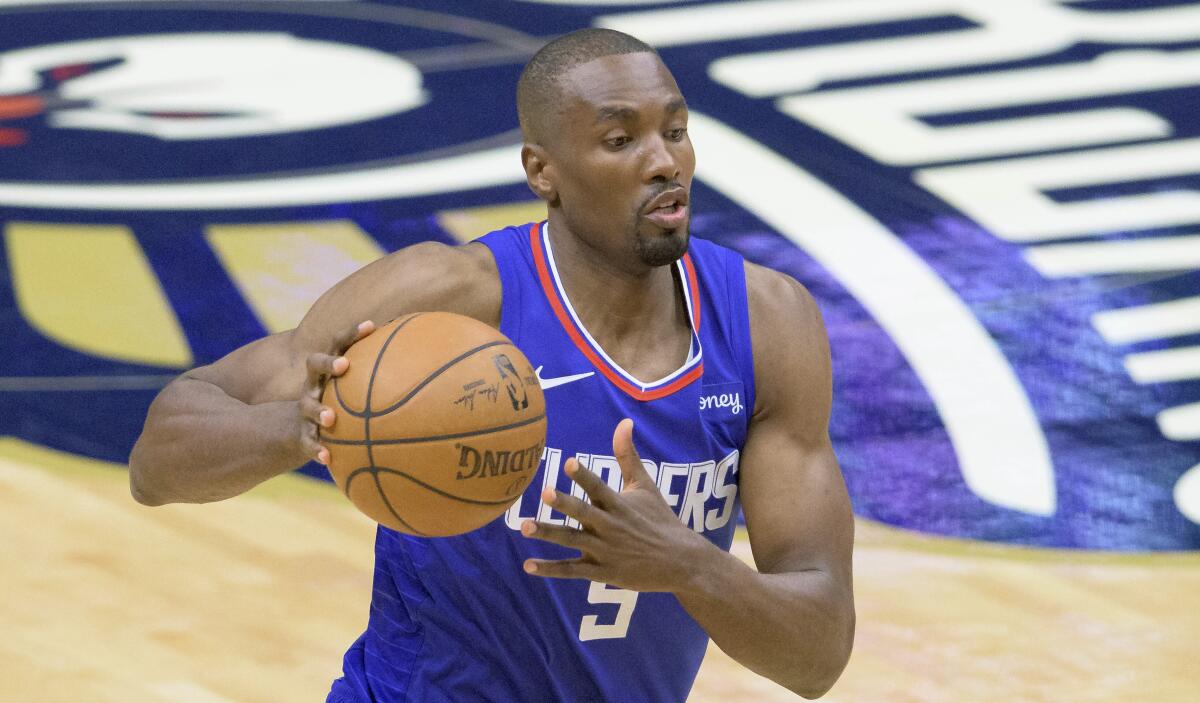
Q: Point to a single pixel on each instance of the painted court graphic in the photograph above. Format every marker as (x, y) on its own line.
(999, 225)
(994, 204)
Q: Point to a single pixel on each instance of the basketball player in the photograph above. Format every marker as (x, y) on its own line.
(722, 365)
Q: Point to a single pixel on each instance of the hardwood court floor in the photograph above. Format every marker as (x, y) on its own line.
(253, 601)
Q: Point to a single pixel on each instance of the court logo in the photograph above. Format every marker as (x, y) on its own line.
(209, 85)
(297, 111)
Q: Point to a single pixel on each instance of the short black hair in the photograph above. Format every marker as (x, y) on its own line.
(538, 88)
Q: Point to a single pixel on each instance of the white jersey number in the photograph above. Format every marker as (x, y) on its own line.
(591, 629)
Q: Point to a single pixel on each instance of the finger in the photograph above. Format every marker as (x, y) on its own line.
(319, 368)
(559, 534)
(627, 457)
(351, 335)
(562, 568)
(313, 448)
(316, 413)
(569, 505)
(599, 491)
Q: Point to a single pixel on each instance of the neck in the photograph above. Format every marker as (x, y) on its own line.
(617, 304)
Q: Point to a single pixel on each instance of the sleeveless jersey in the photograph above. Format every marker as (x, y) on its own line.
(456, 619)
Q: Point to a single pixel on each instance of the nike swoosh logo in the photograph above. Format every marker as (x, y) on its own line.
(552, 382)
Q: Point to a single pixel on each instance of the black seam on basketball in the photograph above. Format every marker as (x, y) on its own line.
(429, 379)
(371, 386)
(337, 391)
(388, 503)
(433, 438)
(350, 477)
(435, 489)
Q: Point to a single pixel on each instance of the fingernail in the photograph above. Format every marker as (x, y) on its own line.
(340, 364)
(363, 326)
(528, 527)
(323, 456)
(548, 496)
(530, 567)
(326, 417)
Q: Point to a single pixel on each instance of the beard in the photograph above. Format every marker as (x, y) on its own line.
(661, 249)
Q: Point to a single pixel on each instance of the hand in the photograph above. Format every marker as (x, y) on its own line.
(320, 368)
(629, 539)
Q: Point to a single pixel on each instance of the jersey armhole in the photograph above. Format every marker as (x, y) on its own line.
(505, 246)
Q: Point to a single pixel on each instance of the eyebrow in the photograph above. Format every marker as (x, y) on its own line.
(628, 113)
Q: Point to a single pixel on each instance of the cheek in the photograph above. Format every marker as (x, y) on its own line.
(687, 160)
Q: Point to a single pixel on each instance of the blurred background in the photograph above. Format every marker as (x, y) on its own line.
(994, 203)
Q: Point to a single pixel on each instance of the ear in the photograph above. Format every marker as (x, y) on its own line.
(539, 174)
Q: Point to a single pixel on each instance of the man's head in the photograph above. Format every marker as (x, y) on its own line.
(606, 145)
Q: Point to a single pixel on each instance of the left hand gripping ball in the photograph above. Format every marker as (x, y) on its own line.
(440, 424)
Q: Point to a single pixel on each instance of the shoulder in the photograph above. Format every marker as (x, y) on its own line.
(788, 337)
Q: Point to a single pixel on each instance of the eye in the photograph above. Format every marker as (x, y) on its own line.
(676, 134)
(617, 142)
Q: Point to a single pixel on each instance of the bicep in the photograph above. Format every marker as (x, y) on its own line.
(795, 501)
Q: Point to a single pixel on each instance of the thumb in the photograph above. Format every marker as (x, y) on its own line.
(627, 457)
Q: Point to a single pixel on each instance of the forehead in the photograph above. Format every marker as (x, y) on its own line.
(639, 81)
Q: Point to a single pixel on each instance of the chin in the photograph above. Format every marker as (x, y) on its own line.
(663, 249)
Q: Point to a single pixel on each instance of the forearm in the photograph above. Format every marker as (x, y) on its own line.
(794, 628)
(200, 445)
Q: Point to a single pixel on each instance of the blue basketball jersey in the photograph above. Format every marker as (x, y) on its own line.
(457, 619)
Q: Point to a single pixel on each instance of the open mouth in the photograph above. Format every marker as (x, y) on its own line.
(669, 210)
(668, 216)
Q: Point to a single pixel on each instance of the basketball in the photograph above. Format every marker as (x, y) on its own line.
(440, 424)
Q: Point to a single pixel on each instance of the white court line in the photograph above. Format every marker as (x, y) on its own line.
(490, 167)
(1164, 366)
(1154, 321)
(1146, 255)
(1181, 424)
(39, 384)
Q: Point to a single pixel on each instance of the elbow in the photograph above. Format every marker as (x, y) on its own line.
(819, 682)
(824, 674)
(142, 493)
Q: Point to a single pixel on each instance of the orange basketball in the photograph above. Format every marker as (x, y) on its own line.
(440, 424)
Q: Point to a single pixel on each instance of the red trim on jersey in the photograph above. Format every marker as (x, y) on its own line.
(547, 281)
(693, 287)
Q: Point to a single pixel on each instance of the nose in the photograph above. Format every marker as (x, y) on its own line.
(661, 164)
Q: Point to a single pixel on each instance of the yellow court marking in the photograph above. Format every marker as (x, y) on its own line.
(90, 288)
(466, 224)
(282, 268)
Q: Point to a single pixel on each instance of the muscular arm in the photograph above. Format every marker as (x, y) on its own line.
(792, 620)
(219, 430)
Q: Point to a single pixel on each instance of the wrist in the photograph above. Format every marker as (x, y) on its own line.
(703, 566)
(281, 422)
